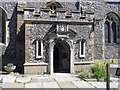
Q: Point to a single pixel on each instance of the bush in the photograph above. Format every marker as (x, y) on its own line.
(10, 65)
(99, 71)
(85, 74)
(113, 61)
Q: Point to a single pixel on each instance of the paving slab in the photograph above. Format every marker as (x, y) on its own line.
(67, 79)
(66, 85)
(8, 79)
(1, 79)
(23, 79)
(42, 79)
(1, 85)
(113, 85)
(62, 75)
(50, 85)
(98, 85)
(83, 85)
(13, 85)
(34, 85)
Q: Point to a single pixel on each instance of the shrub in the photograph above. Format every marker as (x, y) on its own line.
(99, 70)
(85, 74)
(10, 65)
(113, 61)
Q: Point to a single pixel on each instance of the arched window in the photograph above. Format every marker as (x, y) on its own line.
(107, 32)
(111, 27)
(53, 5)
(114, 39)
(2, 26)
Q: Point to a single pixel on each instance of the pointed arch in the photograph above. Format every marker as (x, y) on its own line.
(53, 5)
(107, 31)
(114, 38)
(3, 19)
(111, 28)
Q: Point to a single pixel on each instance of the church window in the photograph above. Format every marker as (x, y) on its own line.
(39, 49)
(82, 48)
(111, 28)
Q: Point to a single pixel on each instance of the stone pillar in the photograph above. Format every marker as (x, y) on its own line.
(72, 61)
(51, 56)
(20, 38)
(92, 45)
(20, 14)
(27, 44)
(103, 47)
(51, 61)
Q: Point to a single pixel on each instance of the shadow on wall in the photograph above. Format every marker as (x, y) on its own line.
(14, 41)
(20, 49)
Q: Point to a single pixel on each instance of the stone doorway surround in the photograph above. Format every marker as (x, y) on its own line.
(51, 55)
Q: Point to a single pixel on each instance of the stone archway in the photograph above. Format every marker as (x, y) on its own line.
(61, 57)
(51, 55)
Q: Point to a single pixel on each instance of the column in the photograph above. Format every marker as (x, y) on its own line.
(51, 61)
(72, 61)
(51, 56)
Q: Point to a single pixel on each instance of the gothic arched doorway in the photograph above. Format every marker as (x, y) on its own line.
(61, 57)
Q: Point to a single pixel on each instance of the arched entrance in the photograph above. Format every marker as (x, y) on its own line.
(61, 57)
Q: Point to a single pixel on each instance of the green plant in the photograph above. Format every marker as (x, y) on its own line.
(10, 65)
(85, 74)
(113, 61)
(99, 70)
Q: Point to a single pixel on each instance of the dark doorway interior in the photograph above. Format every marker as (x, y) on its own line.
(61, 57)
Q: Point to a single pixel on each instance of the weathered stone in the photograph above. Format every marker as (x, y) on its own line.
(66, 85)
(13, 86)
(83, 84)
(66, 79)
(1, 79)
(99, 85)
(88, 24)
(34, 85)
(8, 79)
(51, 85)
(23, 79)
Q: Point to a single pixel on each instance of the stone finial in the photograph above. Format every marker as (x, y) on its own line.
(22, 3)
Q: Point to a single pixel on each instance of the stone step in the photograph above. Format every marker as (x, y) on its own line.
(67, 79)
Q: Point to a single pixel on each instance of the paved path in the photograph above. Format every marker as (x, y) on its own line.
(54, 82)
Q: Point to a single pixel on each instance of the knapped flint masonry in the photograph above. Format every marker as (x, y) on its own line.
(59, 37)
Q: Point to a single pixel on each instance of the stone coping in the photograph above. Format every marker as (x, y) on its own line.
(36, 64)
(114, 65)
(84, 62)
(58, 21)
(29, 9)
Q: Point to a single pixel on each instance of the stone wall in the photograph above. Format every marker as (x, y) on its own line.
(10, 52)
(37, 30)
(112, 50)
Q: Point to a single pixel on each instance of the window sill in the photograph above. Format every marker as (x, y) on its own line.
(36, 64)
(112, 44)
